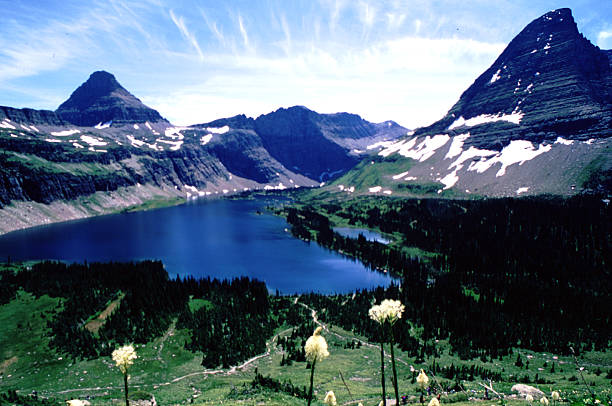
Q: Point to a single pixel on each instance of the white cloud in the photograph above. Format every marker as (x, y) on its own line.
(243, 32)
(604, 39)
(180, 24)
(373, 82)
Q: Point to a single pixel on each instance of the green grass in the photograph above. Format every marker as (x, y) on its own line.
(197, 304)
(174, 375)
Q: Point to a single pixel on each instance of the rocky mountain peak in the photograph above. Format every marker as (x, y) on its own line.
(550, 81)
(102, 99)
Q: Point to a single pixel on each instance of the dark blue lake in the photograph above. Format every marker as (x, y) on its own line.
(219, 238)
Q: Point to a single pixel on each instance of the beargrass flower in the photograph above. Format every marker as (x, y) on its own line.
(316, 347)
(316, 350)
(422, 379)
(544, 401)
(386, 314)
(555, 395)
(124, 357)
(434, 402)
(77, 402)
(387, 311)
(529, 398)
(330, 398)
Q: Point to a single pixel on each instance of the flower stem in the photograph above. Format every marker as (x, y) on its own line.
(312, 368)
(382, 372)
(393, 366)
(125, 379)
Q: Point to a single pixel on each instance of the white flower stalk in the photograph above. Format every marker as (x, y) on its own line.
(330, 399)
(124, 357)
(544, 401)
(386, 314)
(387, 311)
(316, 347)
(422, 379)
(316, 350)
(555, 396)
(434, 402)
(529, 398)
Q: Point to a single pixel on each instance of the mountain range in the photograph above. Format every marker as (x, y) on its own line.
(539, 120)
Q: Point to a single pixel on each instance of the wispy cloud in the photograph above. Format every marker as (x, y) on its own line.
(287, 33)
(180, 24)
(214, 29)
(243, 32)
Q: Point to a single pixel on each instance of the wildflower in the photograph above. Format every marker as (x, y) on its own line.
(529, 398)
(434, 402)
(77, 402)
(555, 395)
(124, 357)
(387, 313)
(316, 347)
(422, 379)
(544, 401)
(330, 398)
(316, 350)
(388, 310)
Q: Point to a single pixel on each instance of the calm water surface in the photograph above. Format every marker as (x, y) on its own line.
(367, 234)
(221, 238)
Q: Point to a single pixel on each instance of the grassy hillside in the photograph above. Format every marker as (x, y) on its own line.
(166, 370)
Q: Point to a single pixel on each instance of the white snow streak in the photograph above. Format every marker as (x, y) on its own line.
(457, 146)
(101, 126)
(521, 190)
(515, 118)
(65, 133)
(206, 139)
(563, 141)
(92, 141)
(6, 124)
(218, 130)
(495, 77)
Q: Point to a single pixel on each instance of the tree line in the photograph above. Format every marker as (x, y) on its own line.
(530, 272)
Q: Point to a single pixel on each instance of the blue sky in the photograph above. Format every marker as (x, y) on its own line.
(195, 61)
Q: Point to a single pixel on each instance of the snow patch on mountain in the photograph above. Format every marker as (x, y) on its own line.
(457, 145)
(6, 124)
(518, 151)
(65, 133)
(218, 130)
(101, 126)
(94, 142)
(514, 118)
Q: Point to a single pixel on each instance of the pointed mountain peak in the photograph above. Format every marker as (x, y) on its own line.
(102, 82)
(102, 99)
(549, 82)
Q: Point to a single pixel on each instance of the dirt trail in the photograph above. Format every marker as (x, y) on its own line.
(270, 348)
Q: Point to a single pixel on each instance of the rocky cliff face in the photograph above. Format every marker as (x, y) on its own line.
(29, 116)
(539, 120)
(101, 99)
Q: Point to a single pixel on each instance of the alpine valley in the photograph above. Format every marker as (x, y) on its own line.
(538, 121)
